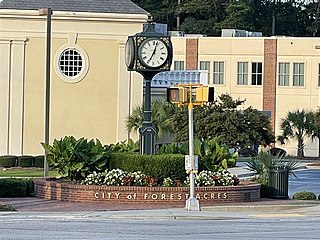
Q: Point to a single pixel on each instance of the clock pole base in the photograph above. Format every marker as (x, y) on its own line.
(147, 139)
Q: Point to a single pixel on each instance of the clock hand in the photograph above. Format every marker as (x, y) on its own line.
(153, 52)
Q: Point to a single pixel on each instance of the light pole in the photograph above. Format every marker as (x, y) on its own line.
(47, 12)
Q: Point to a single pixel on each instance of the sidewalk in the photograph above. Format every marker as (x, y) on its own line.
(266, 208)
(38, 207)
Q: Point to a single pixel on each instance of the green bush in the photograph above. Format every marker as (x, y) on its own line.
(25, 161)
(157, 166)
(39, 161)
(305, 196)
(16, 187)
(8, 161)
(212, 154)
(75, 159)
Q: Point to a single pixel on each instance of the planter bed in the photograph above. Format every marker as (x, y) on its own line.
(63, 191)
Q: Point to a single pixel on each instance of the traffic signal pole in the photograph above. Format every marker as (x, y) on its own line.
(183, 95)
(192, 204)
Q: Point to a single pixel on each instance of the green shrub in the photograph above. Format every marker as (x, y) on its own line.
(305, 196)
(265, 161)
(39, 161)
(125, 147)
(16, 187)
(75, 159)
(265, 189)
(29, 187)
(8, 161)
(213, 155)
(157, 166)
(25, 161)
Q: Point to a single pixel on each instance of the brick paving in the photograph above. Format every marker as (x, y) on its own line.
(33, 204)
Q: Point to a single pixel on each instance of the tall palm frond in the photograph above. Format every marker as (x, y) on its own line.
(162, 113)
(297, 125)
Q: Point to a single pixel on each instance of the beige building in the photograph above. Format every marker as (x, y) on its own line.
(274, 74)
(91, 90)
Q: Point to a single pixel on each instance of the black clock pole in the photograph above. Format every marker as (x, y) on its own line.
(148, 53)
(147, 132)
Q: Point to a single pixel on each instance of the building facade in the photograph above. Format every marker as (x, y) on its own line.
(273, 74)
(91, 91)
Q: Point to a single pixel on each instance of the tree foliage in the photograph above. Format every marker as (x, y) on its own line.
(162, 112)
(293, 18)
(297, 125)
(236, 128)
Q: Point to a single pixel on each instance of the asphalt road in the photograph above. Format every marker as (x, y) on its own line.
(95, 229)
(305, 180)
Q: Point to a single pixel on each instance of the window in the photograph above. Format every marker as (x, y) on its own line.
(283, 79)
(298, 74)
(256, 77)
(218, 72)
(70, 63)
(205, 65)
(242, 76)
(178, 65)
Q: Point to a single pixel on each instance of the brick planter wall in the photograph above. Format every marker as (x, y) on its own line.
(246, 191)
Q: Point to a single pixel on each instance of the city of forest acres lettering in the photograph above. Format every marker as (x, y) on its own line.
(157, 196)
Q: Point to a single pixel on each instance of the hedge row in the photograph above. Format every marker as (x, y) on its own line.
(16, 187)
(8, 161)
(157, 166)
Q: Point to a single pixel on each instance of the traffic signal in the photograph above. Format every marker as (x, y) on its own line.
(205, 94)
(177, 94)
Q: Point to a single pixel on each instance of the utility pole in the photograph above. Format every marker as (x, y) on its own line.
(317, 19)
(273, 18)
(47, 12)
(178, 17)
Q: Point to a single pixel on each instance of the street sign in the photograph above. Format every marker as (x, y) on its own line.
(191, 163)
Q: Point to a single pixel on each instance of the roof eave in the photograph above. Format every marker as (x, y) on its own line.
(76, 15)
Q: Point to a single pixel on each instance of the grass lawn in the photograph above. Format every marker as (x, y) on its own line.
(25, 172)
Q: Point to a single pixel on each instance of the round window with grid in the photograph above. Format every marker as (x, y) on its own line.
(71, 63)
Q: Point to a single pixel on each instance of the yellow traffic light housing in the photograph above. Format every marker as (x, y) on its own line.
(205, 94)
(177, 94)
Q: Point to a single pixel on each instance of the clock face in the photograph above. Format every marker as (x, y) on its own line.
(129, 53)
(153, 53)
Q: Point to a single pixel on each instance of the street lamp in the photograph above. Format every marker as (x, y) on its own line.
(47, 12)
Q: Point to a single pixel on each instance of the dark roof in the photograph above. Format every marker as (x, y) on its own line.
(97, 6)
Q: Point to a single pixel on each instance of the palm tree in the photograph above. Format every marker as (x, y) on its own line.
(162, 113)
(299, 126)
(316, 131)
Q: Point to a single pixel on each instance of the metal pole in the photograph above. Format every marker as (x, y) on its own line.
(47, 86)
(178, 17)
(147, 102)
(192, 204)
(273, 30)
(147, 130)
